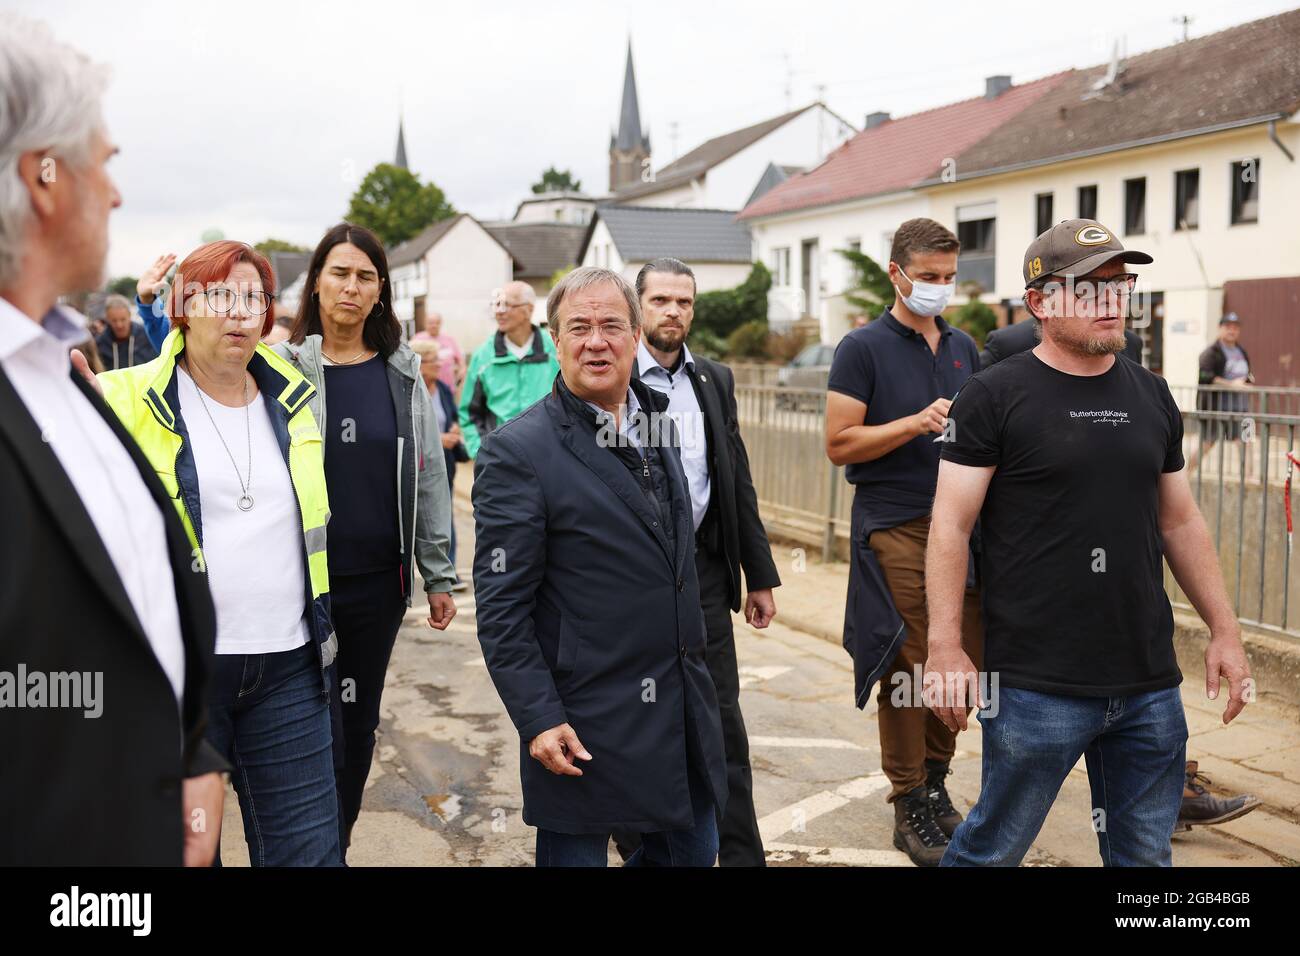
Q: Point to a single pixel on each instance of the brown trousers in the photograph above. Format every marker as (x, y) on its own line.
(910, 734)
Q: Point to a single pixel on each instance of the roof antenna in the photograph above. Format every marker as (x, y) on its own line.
(1110, 80)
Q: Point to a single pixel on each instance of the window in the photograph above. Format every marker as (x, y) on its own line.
(1245, 191)
(1087, 202)
(1187, 199)
(855, 244)
(781, 266)
(1042, 213)
(977, 260)
(1135, 206)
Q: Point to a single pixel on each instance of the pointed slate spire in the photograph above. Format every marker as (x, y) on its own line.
(399, 160)
(629, 136)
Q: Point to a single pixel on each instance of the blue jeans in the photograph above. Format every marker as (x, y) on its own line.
(1135, 748)
(268, 716)
(697, 846)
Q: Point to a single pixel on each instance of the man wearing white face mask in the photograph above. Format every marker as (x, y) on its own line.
(890, 386)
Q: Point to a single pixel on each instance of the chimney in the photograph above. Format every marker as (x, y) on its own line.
(994, 86)
(875, 119)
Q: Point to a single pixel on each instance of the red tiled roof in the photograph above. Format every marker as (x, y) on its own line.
(899, 152)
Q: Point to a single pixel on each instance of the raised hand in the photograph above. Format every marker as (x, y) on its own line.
(151, 283)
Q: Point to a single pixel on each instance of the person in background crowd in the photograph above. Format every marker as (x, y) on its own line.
(150, 301)
(124, 343)
(378, 421)
(890, 387)
(226, 424)
(1071, 459)
(508, 372)
(96, 568)
(444, 409)
(280, 330)
(1224, 364)
(1199, 807)
(451, 358)
(728, 530)
(588, 602)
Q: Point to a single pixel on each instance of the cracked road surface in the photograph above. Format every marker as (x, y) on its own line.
(444, 788)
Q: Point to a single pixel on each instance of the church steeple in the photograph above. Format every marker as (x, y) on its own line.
(399, 160)
(629, 148)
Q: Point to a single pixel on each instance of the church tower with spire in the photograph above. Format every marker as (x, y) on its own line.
(399, 159)
(629, 149)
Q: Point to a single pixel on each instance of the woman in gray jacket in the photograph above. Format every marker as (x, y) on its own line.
(386, 477)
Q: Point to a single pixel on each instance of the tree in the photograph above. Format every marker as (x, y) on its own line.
(555, 180)
(123, 285)
(559, 274)
(872, 292)
(268, 246)
(393, 204)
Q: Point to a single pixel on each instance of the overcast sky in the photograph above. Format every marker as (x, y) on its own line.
(260, 118)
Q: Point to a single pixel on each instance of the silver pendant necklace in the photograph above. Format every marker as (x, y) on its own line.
(245, 501)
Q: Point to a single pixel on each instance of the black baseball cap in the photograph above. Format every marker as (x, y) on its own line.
(1074, 248)
(1230, 317)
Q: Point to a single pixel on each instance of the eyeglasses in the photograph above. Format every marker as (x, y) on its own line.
(222, 301)
(613, 331)
(1089, 290)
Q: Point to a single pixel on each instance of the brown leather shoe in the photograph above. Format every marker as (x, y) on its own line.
(1201, 808)
(916, 832)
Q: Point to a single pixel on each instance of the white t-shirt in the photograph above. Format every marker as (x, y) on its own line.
(254, 558)
(519, 351)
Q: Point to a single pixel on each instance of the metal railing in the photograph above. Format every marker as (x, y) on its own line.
(1236, 463)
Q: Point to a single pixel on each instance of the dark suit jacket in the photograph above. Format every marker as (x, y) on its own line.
(744, 539)
(1021, 338)
(588, 617)
(78, 791)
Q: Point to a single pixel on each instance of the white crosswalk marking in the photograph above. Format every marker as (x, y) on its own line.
(798, 814)
(824, 743)
(756, 675)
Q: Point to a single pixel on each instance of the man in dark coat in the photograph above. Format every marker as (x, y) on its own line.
(123, 343)
(106, 623)
(588, 606)
(1021, 337)
(729, 533)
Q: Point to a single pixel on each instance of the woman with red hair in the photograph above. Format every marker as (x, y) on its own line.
(227, 426)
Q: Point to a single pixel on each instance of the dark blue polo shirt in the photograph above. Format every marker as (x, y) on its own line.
(890, 368)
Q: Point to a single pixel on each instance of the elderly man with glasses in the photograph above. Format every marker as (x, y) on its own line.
(589, 604)
(1072, 462)
(508, 372)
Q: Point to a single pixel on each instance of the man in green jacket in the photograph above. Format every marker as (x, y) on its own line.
(508, 372)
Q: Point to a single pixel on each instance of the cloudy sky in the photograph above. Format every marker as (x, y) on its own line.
(260, 118)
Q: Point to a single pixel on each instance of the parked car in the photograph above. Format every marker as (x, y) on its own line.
(809, 370)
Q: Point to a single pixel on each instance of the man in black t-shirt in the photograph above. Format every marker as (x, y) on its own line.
(890, 386)
(1072, 460)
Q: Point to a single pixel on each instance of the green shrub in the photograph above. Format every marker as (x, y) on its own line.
(976, 319)
(749, 340)
(723, 311)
